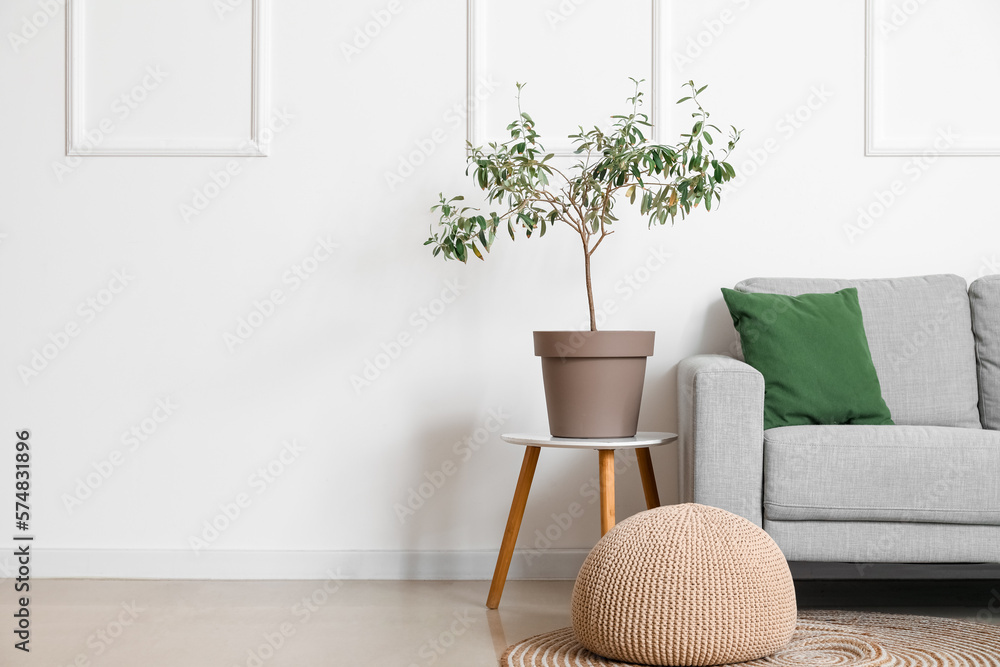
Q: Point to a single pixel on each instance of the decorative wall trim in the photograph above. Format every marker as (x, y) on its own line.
(872, 146)
(870, 149)
(254, 145)
(294, 565)
(659, 36)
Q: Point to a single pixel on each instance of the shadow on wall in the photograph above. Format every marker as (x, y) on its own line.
(421, 500)
(659, 413)
(718, 335)
(659, 401)
(438, 474)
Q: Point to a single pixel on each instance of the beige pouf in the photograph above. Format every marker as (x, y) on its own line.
(684, 585)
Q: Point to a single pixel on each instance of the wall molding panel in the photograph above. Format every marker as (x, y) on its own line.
(658, 33)
(928, 70)
(239, 143)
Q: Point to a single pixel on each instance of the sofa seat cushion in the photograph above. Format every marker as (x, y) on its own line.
(931, 474)
(920, 334)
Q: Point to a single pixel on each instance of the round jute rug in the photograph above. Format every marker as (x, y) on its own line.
(821, 639)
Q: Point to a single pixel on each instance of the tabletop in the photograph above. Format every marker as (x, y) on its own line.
(640, 439)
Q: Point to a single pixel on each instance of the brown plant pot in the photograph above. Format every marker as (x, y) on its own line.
(593, 381)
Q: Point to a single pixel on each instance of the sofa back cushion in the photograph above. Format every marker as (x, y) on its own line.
(920, 334)
(985, 297)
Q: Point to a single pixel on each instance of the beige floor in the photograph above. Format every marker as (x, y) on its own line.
(235, 624)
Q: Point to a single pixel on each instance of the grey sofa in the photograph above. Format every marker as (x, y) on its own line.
(926, 490)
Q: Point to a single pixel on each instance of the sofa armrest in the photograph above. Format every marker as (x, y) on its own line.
(721, 415)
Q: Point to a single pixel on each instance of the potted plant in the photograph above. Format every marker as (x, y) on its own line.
(593, 380)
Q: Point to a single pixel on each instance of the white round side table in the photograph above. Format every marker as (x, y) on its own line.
(606, 448)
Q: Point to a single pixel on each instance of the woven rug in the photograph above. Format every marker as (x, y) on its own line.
(821, 639)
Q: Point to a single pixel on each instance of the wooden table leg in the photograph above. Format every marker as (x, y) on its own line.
(606, 458)
(513, 526)
(648, 480)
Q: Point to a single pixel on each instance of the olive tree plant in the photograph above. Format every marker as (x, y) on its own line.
(533, 194)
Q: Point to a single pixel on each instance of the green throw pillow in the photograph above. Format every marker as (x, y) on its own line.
(813, 353)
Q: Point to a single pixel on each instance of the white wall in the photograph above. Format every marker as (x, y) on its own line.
(162, 336)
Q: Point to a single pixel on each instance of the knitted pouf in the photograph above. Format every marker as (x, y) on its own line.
(684, 585)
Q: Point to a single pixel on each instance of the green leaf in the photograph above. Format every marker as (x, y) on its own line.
(657, 161)
(635, 172)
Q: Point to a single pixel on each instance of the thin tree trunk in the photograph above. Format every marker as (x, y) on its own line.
(590, 288)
